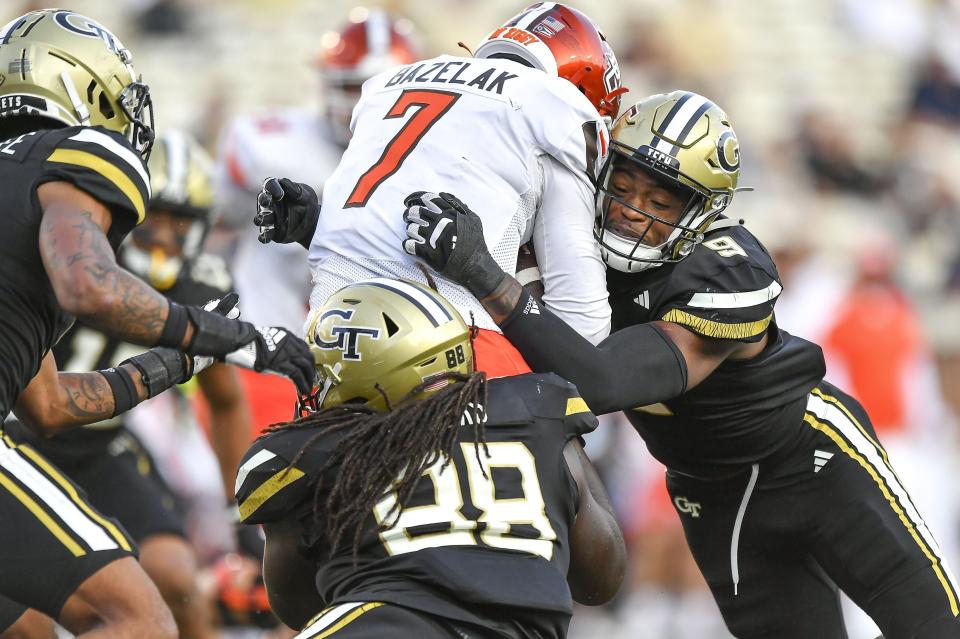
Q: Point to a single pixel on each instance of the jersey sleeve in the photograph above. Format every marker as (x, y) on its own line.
(726, 289)
(269, 488)
(552, 397)
(570, 130)
(574, 275)
(103, 164)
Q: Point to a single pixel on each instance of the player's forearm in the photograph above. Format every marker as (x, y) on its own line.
(77, 399)
(633, 367)
(90, 284)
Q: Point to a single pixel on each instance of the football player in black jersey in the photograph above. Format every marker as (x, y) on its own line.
(75, 131)
(106, 459)
(782, 487)
(419, 499)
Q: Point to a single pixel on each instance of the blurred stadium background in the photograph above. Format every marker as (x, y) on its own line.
(848, 114)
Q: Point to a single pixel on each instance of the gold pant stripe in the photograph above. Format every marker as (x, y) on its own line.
(55, 529)
(909, 525)
(830, 399)
(68, 488)
(341, 623)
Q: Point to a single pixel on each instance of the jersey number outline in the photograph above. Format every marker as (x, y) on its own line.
(433, 105)
(497, 515)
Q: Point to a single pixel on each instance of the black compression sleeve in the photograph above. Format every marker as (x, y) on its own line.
(636, 366)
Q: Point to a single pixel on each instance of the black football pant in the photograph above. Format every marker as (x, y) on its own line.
(776, 541)
(51, 538)
(365, 620)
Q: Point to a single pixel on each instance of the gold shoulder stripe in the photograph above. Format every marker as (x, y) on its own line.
(55, 529)
(577, 405)
(718, 330)
(268, 489)
(107, 170)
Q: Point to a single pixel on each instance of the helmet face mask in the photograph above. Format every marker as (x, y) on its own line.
(65, 67)
(375, 341)
(682, 142)
(562, 42)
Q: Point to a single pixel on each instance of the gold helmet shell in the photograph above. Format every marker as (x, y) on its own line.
(181, 175)
(687, 141)
(63, 66)
(386, 333)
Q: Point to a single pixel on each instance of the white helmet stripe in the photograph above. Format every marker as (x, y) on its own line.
(431, 308)
(377, 30)
(686, 113)
(534, 15)
(177, 160)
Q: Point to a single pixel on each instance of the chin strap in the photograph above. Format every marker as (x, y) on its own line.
(724, 224)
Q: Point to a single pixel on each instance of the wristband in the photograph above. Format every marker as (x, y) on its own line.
(175, 328)
(160, 368)
(124, 390)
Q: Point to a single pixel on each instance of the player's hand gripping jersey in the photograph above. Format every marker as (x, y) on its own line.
(484, 540)
(95, 160)
(522, 142)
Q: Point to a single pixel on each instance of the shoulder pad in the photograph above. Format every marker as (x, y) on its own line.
(268, 487)
(539, 396)
(573, 133)
(102, 163)
(725, 289)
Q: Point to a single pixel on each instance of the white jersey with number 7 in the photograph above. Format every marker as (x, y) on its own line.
(518, 146)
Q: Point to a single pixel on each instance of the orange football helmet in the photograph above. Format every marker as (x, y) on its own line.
(371, 42)
(562, 41)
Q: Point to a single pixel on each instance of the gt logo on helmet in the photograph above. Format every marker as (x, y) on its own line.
(728, 152)
(344, 337)
(85, 26)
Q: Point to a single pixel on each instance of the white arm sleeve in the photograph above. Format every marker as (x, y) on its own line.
(574, 275)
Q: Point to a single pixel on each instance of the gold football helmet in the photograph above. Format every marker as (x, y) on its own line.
(386, 333)
(685, 140)
(63, 66)
(181, 179)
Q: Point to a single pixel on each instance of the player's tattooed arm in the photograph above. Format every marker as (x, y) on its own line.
(84, 272)
(53, 402)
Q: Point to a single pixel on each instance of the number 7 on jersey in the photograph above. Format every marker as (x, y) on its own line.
(432, 105)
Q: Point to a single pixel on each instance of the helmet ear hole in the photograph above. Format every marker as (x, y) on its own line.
(391, 326)
(90, 89)
(105, 109)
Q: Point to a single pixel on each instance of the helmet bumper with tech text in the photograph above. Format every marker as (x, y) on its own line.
(382, 338)
(68, 68)
(686, 142)
(562, 42)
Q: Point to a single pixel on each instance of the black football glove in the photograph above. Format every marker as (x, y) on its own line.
(448, 236)
(275, 350)
(287, 211)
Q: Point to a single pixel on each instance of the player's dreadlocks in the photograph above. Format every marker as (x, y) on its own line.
(379, 447)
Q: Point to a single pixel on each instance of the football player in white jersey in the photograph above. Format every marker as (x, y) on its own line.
(521, 126)
(306, 146)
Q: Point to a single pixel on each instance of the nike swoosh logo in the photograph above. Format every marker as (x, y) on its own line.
(437, 231)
